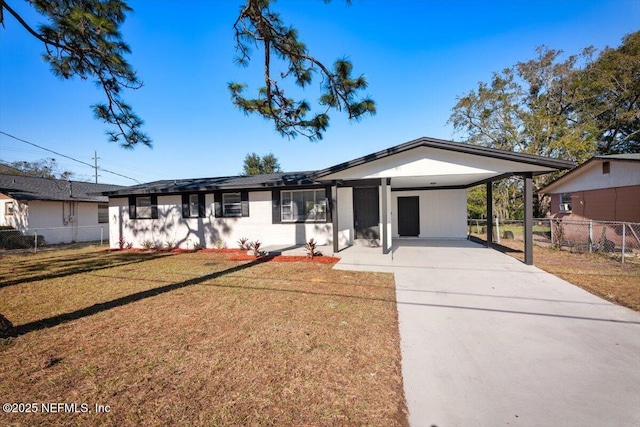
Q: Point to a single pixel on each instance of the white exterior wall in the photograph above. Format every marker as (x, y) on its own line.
(20, 212)
(443, 213)
(345, 217)
(187, 232)
(51, 219)
(622, 174)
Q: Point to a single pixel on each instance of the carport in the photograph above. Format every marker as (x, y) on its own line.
(418, 189)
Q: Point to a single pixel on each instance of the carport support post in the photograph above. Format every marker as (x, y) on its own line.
(385, 238)
(334, 216)
(489, 214)
(528, 218)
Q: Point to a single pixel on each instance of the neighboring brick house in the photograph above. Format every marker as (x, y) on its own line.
(604, 188)
(59, 210)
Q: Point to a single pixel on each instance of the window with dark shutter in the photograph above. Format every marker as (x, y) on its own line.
(217, 204)
(132, 207)
(202, 211)
(231, 204)
(154, 207)
(244, 201)
(276, 218)
(185, 206)
(304, 205)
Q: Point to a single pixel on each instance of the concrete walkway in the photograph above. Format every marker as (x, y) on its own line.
(489, 341)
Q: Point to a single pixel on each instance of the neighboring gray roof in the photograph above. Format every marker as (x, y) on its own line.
(632, 156)
(173, 186)
(32, 188)
(315, 177)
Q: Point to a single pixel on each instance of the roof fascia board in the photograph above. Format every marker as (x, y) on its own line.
(210, 189)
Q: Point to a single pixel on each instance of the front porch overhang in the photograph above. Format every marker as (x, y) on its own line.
(427, 164)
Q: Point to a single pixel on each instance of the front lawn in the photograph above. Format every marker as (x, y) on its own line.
(195, 339)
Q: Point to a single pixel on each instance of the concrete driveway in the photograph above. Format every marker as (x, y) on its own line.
(489, 341)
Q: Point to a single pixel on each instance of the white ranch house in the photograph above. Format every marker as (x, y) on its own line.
(59, 210)
(413, 190)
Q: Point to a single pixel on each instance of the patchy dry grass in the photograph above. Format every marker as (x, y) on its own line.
(194, 339)
(597, 273)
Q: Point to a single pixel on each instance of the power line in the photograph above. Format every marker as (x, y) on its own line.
(68, 157)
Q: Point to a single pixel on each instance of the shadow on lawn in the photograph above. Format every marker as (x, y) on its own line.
(118, 302)
(56, 267)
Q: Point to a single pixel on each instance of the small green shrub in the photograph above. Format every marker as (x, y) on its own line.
(221, 244)
(170, 244)
(148, 244)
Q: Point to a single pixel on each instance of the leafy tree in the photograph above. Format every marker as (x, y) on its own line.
(477, 202)
(610, 97)
(45, 168)
(82, 38)
(571, 108)
(527, 108)
(256, 165)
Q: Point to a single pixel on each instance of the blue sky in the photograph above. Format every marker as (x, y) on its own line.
(418, 56)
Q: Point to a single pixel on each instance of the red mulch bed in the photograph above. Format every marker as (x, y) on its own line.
(238, 255)
(286, 258)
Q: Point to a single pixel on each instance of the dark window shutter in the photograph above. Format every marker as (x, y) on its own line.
(217, 204)
(185, 206)
(244, 199)
(202, 212)
(132, 207)
(276, 217)
(330, 201)
(154, 207)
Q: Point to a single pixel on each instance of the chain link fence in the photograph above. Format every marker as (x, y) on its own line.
(620, 240)
(37, 238)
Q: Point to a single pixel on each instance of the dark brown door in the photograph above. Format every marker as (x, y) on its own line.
(409, 216)
(366, 213)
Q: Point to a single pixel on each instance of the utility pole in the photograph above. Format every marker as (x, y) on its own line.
(95, 162)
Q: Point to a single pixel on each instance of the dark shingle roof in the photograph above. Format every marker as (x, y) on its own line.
(210, 184)
(316, 177)
(32, 188)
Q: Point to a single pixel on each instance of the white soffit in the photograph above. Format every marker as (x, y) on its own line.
(460, 168)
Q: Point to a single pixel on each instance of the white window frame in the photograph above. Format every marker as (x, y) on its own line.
(9, 209)
(231, 208)
(194, 205)
(319, 202)
(103, 206)
(565, 199)
(143, 210)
